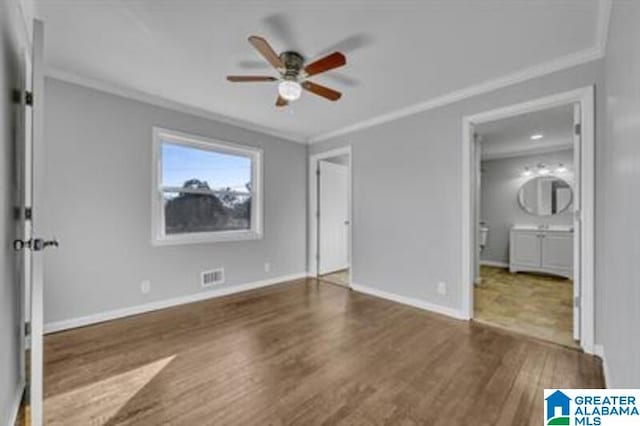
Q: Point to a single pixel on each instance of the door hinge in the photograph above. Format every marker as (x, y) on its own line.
(576, 301)
(577, 129)
(27, 328)
(317, 214)
(28, 98)
(28, 213)
(317, 172)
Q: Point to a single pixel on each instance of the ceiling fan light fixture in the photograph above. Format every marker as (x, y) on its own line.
(293, 69)
(290, 90)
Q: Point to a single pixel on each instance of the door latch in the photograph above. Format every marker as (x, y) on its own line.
(34, 244)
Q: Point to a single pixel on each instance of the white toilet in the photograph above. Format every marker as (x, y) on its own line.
(484, 233)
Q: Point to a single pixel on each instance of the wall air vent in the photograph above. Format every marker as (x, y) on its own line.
(212, 277)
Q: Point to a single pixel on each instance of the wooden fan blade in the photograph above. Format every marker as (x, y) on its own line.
(319, 90)
(281, 102)
(266, 51)
(329, 62)
(249, 78)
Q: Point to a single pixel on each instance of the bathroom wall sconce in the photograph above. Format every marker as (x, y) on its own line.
(542, 169)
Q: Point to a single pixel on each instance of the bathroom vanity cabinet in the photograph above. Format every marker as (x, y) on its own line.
(541, 250)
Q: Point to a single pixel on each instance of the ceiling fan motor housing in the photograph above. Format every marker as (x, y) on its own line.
(293, 62)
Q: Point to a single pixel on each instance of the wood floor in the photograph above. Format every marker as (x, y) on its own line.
(302, 353)
(533, 304)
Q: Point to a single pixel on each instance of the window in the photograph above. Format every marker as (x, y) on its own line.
(204, 190)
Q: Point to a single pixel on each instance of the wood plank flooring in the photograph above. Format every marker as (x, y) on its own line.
(536, 305)
(302, 353)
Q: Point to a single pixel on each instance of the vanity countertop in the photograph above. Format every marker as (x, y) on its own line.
(560, 228)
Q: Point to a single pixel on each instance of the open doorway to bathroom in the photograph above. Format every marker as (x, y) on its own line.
(331, 223)
(524, 280)
(530, 217)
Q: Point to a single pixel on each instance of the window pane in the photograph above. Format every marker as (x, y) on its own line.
(187, 167)
(227, 207)
(221, 211)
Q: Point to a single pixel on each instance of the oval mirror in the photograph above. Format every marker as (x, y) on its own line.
(545, 196)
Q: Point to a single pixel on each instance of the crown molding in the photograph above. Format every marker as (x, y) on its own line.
(568, 61)
(156, 100)
(562, 63)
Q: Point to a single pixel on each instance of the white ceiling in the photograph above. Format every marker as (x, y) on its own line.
(399, 53)
(511, 137)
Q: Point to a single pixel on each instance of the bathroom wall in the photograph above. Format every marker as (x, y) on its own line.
(499, 209)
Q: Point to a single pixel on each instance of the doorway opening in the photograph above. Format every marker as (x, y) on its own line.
(330, 199)
(528, 209)
(525, 211)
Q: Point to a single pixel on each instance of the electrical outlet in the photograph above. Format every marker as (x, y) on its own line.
(145, 286)
(442, 288)
(267, 266)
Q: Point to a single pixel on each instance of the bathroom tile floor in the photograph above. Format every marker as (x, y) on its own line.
(532, 304)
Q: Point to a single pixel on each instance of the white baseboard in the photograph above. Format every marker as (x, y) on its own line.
(15, 407)
(494, 263)
(416, 303)
(599, 350)
(56, 326)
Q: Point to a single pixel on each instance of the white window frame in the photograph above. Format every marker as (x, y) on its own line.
(158, 235)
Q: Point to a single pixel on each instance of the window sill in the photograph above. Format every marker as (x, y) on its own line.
(204, 238)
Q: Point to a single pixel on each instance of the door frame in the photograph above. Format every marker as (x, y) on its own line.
(27, 197)
(313, 211)
(585, 214)
(37, 156)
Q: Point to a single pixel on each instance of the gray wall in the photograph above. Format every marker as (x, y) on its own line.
(12, 40)
(98, 171)
(407, 190)
(618, 237)
(499, 209)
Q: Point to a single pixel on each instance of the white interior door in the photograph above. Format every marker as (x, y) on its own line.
(19, 200)
(334, 217)
(577, 219)
(32, 247)
(36, 320)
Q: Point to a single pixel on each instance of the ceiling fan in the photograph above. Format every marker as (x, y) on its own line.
(293, 72)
